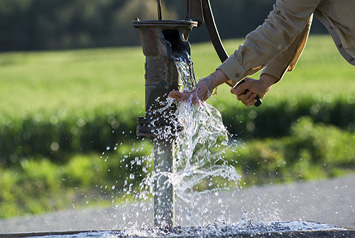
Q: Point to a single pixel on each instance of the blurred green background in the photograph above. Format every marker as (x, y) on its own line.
(62, 24)
(68, 116)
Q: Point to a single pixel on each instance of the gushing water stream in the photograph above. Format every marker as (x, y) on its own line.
(200, 167)
(186, 70)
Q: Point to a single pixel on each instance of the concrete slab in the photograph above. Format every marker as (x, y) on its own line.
(327, 202)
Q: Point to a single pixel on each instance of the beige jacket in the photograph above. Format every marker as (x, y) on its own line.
(277, 44)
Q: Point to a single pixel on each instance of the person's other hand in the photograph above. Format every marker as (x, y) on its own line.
(255, 88)
(205, 87)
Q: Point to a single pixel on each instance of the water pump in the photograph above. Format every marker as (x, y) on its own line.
(160, 39)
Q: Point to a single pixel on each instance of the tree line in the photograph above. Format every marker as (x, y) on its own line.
(66, 24)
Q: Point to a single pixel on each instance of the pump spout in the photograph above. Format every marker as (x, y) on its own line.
(159, 40)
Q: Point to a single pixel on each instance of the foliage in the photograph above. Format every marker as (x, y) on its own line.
(275, 120)
(63, 24)
(57, 24)
(312, 151)
(58, 138)
(38, 185)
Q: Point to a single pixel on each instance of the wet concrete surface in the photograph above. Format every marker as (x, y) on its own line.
(326, 201)
(252, 230)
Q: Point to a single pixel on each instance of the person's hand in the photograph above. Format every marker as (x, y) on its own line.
(255, 88)
(203, 91)
(184, 96)
(205, 87)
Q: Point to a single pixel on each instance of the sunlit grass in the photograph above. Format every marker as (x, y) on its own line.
(71, 80)
(47, 82)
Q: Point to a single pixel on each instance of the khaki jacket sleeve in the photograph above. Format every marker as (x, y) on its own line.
(280, 39)
(287, 60)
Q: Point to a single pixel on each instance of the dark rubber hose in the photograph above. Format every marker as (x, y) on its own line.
(216, 39)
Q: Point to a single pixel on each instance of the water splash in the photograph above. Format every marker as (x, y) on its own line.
(200, 146)
(200, 168)
(200, 165)
(204, 179)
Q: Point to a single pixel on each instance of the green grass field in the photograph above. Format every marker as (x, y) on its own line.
(80, 80)
(70, 80)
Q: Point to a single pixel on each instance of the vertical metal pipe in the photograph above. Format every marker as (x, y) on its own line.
(164, 209)
(159, 10)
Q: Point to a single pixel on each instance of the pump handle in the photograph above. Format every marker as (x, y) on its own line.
(213, 33)
(216, 39)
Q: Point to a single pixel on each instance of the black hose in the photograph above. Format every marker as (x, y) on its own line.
(212, 30)
(216, 39)
(213, 33)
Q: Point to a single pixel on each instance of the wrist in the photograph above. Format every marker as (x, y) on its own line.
(213, 79)
(220, 77)
(268, 79)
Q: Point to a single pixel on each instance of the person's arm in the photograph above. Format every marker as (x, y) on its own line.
(273, 72)
(287, 60)
(279, 39)
(284, 24)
